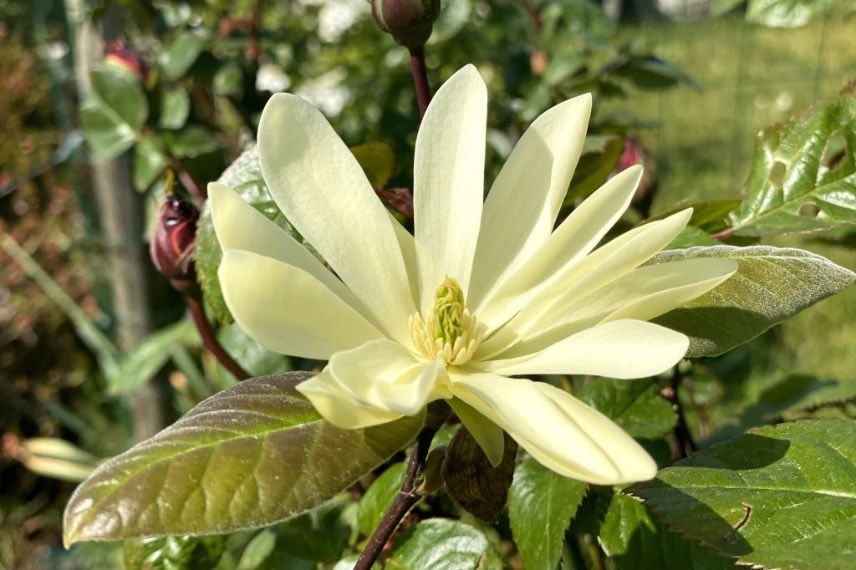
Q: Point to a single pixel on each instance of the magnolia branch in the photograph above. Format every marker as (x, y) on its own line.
(209, 339)
(406, 499)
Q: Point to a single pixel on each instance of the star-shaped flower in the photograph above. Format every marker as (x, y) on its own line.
(483, 292)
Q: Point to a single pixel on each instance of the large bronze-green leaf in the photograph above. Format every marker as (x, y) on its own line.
(779, 497)
(250, 456)
(803, 174)
(771, 285)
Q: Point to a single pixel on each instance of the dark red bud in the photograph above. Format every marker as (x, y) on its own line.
(174, 241)
(409, 21)
(117, 53)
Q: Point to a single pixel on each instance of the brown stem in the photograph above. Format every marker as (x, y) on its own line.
(684, 443)
(407, 497)
(420, 79)
(197, 312)
(724, 234)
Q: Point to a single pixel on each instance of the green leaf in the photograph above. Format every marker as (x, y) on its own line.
(249, 456)
(146, 359)
(253, 357)
(174, 108)
(377, 160)
(785, 13)
(149, 162)
(690, 237)
(106, 134)
(180, 54)
(771, 285)
(379, 498)
(779, 497)
(633, 541)
(803, 175)
(635, 405)
(244, 176)
(174, 552)
(443, 544)
(190, 142)
(479, 487)
(540, 506)
(120, 91)
(258, 550)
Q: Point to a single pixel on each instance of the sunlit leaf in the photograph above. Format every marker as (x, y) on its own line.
(149, 162)
(249, 456)
(635, 406)
(771, 285)
(378, 498)
(443, 544)
(803, 173)
(540, 506)
(780, 497)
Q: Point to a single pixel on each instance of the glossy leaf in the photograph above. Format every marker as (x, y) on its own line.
(635, 405)
(180, 54)
(174, 108)
(771, 285)
(378, 498)
(244, 176)
(105, 132)
(803, 174)
(443, 544)
(540, 506)
(479, 487)
(249, 456)
(634, 542)
(149, 162)
(120, 91)
(779, 497)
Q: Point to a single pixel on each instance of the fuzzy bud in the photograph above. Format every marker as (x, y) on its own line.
(174, 241)
(409, 21)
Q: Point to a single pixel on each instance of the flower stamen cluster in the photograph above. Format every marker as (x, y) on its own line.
(449, 332)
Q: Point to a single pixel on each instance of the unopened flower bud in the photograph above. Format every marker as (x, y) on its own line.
(409, 21)
(174, 240)
(117, 53)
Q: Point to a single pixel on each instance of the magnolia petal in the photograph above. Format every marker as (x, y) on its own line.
(338, 407)
(287, 310)
(558, 430)
(487, 434)
(570, 243)
(578, 279)
(617, 349)
(448, 180)
(322, 190)
(515, 223)
(643, 294)
(240, 226)
(382, 377)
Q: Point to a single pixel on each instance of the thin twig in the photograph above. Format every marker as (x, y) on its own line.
(684, 443)
(407, 497)
(197, 312)
(420, 79)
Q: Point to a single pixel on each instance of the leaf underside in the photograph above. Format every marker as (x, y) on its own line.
(771, 285)
(253, 455)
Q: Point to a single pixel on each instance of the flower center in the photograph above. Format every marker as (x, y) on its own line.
(449, 332)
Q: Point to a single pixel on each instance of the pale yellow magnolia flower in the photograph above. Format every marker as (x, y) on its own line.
(484, 291)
